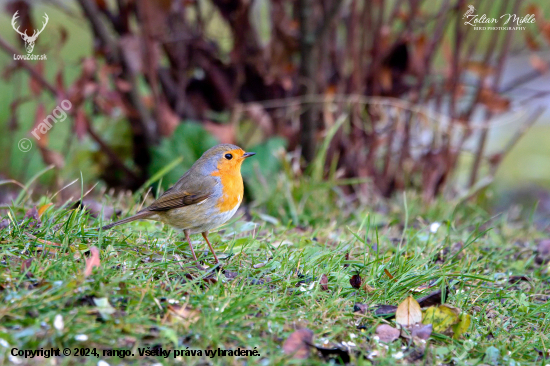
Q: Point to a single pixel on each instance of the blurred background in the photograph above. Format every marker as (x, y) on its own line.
(347, 100)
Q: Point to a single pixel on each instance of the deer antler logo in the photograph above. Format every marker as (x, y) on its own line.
(29, 41)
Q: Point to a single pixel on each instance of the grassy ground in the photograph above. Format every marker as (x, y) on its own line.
(147, 293)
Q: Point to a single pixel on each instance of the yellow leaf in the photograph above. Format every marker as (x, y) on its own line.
(441, 317)
(43, 208)
(408, 312)
(462, 326)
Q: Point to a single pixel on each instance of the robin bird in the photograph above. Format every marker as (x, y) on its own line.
(204, 198)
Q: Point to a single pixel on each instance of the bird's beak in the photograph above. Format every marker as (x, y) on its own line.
(248, 154)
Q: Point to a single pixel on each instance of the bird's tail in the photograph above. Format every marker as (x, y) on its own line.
(138, 216)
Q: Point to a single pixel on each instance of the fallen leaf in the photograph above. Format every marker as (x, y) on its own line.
(368, 288)
(324, 282)
(355, 281)
(360, 308)
(92, 261)
(387, 333)
(422, 331)
(297, 344)
(462, 326)
(385, 311)
(43, 208)
(441, 317)
(431, 299)
(184, 314)
(210, 279)
(408, 312)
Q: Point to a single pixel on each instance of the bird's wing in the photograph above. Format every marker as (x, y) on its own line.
(186, 192)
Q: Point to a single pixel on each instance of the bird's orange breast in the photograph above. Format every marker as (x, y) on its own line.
(232, 190)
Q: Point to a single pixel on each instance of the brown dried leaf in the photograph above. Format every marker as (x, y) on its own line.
(360, 308)
(297, 344)
(387, 333)
(368, 288)
(433, 298)
(92, 261)
(355, 281)
(324, 282)
(184, 314)
(408, 312)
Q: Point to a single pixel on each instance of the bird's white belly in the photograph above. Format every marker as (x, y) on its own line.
(215, 220)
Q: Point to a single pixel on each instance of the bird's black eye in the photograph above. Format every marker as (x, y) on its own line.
(228, 156)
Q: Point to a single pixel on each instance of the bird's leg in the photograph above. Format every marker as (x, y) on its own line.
(186, 232)
(205, 236)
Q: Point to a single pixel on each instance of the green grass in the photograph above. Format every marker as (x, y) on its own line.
(147, 268)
